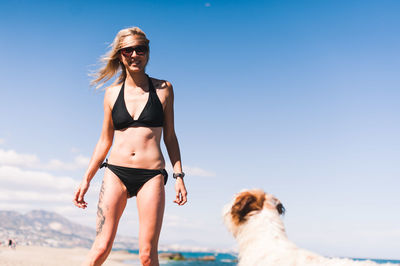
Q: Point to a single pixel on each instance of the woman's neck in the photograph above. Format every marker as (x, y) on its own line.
(138, 79)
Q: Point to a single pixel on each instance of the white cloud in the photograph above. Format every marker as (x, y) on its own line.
(25, 190)
(80, 161)
(11, 157)
(192, 171)
(26, 160)
(32, 196)
(12, 177)
(39, 189)
(197, 171)
(13, 206)
(173, 220)
(74, 150)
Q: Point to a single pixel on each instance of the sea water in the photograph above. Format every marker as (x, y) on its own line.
(221, 259)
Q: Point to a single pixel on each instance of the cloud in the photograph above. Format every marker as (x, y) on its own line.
(13, 178)
(10, 157)
(24, 196)
(26, 160)
(2, 141)
(197, 171)
(24, 190)
(27, 185)
(173, 220)
(15, 206)
(80, 161)
(74, 150)
(192, 171)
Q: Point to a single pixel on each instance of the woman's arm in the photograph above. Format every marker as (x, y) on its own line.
(171, 143)
(100, 152)
(104, 143)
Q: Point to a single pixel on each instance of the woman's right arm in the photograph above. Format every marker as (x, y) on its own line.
(99, 154)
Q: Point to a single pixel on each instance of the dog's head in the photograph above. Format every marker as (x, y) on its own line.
(247, 203)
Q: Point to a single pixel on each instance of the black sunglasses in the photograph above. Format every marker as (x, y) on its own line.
(140, 50)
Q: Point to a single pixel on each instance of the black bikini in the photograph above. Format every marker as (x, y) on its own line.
(134, 178)
(151, 116)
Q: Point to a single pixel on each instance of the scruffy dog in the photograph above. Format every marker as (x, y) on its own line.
(253, 217)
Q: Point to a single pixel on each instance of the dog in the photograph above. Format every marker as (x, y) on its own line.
(254, 219)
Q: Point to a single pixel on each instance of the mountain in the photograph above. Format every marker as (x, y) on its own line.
(44, 228)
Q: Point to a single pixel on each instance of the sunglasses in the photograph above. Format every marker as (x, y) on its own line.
(140, 50)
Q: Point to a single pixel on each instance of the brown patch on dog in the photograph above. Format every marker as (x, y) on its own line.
(245, 203)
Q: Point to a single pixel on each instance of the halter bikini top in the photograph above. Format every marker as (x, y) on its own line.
(152, 114)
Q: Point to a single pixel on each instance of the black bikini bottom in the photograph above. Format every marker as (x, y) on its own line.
(134, 178)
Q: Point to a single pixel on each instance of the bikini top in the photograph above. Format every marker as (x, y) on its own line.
(152, 114)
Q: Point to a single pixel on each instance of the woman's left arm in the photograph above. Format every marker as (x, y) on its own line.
(171, 143)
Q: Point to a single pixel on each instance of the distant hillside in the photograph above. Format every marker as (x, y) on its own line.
(46, 228)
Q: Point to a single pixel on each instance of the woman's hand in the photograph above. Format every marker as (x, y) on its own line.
(80, 193)
(181, 192)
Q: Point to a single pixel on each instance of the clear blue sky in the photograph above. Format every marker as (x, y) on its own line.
(299, 98)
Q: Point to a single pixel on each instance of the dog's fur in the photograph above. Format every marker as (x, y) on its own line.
(254, 219)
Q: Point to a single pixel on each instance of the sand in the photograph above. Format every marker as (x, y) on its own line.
(46, 256)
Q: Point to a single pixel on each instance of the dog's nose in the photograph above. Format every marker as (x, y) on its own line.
(280, 208)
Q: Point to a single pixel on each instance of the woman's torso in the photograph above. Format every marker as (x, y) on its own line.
(137, 146)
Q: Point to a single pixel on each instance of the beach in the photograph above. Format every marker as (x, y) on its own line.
(47, 256)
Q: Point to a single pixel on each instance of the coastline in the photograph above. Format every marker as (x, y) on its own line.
(48, 256)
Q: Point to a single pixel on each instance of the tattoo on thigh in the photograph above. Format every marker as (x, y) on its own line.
(100, 221)
(100, 215)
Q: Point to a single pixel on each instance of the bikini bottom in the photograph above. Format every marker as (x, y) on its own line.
(134, 178)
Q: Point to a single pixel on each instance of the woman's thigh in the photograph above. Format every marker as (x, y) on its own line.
(112, 202)
(150, 202)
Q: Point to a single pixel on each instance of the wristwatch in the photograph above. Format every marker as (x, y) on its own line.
(176, 175)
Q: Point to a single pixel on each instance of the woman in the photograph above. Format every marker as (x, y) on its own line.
(136, 111)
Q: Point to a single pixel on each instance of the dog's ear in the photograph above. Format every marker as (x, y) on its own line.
(244, 204)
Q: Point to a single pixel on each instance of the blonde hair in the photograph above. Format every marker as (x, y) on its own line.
(111, 62)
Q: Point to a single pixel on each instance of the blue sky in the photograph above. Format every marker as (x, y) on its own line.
(299, 98)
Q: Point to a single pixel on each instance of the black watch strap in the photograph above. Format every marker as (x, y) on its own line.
(176, 175)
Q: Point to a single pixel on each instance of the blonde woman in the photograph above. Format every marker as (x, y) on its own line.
(137, 109)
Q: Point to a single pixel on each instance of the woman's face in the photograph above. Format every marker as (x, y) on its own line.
(134, 53)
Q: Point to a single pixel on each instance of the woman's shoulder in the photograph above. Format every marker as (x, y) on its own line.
(111, 93)
(161, 84)
(112, 89)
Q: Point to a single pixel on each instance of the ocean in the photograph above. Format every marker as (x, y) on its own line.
(221, 259)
